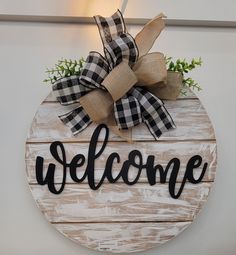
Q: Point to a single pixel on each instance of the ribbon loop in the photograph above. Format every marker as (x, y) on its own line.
(98, 104)
(118, 44)
(119, 81)
(150, 69)
(120, 49)
(148, 35)
(95, 70)
(68, 91)
(110, 27)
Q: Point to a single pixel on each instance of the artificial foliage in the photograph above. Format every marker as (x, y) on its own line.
(67, 67)
(184, 67)
(64, 68)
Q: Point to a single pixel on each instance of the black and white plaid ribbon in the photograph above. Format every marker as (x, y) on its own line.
(137, 106)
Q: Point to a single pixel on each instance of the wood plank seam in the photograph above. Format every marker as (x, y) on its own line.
(117, 222)
(135, 141)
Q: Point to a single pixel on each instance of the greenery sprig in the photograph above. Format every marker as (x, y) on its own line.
(184, 67)
(64, 68)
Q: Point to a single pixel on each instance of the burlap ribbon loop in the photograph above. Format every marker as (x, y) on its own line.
(119, 81)
(148, 35)
(113, 88)
(151, 69)
(101, 110)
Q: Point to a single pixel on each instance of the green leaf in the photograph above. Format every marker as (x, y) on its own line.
(184, 67)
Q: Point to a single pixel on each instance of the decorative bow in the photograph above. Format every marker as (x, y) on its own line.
(106, 88)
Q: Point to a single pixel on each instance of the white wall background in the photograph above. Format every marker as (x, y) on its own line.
(180, 9)
(26, 49)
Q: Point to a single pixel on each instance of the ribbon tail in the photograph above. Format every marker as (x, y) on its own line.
(77, 120)
(154, 113)
(158, 122)
(148, 35)
(127, 112)
(123, 134)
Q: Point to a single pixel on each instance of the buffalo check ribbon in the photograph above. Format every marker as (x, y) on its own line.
(116, 86)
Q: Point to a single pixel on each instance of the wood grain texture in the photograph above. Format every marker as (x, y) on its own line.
(189, 115)
(120, 203)
(163, 152)
(122, 237)
(47, 127)
(117, 217)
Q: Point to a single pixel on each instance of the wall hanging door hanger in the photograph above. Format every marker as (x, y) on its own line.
(122, 168)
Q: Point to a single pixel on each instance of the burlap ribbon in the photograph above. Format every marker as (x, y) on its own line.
(113, 89)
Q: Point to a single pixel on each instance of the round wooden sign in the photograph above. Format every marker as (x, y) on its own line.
(118, 217)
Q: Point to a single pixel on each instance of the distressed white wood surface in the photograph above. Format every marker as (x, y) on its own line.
(189, 115)
(120, 218)
(120, 203)
(122, 237)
